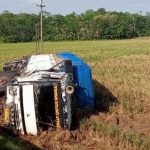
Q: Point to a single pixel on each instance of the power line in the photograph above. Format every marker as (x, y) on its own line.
(41, 5)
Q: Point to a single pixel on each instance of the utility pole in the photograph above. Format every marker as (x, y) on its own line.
(134, 26)
(37, 38)
(41, 5)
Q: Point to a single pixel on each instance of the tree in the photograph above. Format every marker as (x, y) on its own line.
(90, 25)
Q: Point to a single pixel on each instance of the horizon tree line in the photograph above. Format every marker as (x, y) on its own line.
(90, 25)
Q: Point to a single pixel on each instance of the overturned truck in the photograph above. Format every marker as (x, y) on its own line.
(45, 90)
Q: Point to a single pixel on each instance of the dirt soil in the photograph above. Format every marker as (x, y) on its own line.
(86, 138)
(68, 140)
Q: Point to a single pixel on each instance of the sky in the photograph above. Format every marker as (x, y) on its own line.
(79, 6)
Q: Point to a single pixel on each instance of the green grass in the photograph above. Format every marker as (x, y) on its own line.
(8, 143)
(91, 51)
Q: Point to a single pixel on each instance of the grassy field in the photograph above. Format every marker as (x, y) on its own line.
(8, 143)
(120, 71)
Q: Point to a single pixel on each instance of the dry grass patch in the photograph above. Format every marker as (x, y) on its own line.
(127, 78)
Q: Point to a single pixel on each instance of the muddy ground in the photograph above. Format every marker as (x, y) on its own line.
(86, 138)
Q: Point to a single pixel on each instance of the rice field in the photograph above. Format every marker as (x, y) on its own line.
(121, 71)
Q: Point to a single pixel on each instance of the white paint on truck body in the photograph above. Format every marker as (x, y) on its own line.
(18, 104)
(41, 62)
(13, 98)
(29, 109)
